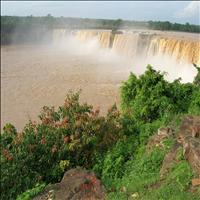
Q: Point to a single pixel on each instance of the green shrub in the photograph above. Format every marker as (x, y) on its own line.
(139, 173)
(29, 194)
(114, 146)
(150, 97)
(66, 138)
(148, 103)
(181, 173)
(195, 102)
(142, 179)
(149, 129)
(175, 185)
(112, 166)
(197, 77)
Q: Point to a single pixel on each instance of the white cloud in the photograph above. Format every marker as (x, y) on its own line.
(191, 10)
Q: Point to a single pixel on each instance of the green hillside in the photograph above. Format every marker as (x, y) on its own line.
(122, 147)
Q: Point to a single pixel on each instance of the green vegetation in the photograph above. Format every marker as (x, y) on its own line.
(39, 29)
(64, 139)
(114, 146)
(150, 102)
(151, 97)
(32, 192)
(174, 26)
(197, 77)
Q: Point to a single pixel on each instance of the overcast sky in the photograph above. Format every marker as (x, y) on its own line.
(174, 11)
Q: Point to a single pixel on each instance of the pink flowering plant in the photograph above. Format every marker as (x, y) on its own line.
(72, 135)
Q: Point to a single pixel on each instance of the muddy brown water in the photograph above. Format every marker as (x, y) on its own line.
(34, 76)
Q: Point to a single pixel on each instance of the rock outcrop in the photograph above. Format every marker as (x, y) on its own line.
(157, 139)
(188, 141)
(170, 159)
(189, 137)
(77, 184)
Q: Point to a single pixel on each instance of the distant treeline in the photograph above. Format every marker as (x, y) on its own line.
(36, 29)
(174, 27)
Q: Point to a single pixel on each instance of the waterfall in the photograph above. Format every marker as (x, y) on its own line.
(125, 44)
(134, 44)
(177, 48)
(103, 37)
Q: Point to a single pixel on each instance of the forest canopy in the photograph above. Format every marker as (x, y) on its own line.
(15, 28)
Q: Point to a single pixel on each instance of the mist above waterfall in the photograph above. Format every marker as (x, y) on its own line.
(131, 50)
(91, 47)
(164, 63)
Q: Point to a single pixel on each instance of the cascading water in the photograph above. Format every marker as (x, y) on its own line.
(140, 44)
(177, 48)
(125, 44)
(103, 37)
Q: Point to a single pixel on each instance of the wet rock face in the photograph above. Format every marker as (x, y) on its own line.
(77, 184)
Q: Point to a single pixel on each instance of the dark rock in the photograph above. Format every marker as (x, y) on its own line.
(189, 137)
(77, 184)
(188, 141)
(157, 139)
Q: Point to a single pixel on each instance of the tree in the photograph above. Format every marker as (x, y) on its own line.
(197, 77)
(117, 23)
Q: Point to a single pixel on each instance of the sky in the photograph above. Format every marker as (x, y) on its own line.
(173, 11)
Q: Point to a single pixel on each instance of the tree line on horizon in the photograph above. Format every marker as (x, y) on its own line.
(15, 29)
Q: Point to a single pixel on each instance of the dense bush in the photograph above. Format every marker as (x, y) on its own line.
(148, 103)
(150, 97)
(113, 146)
(111, 165)
(195, 103)
(64, 139)
(197, 77)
